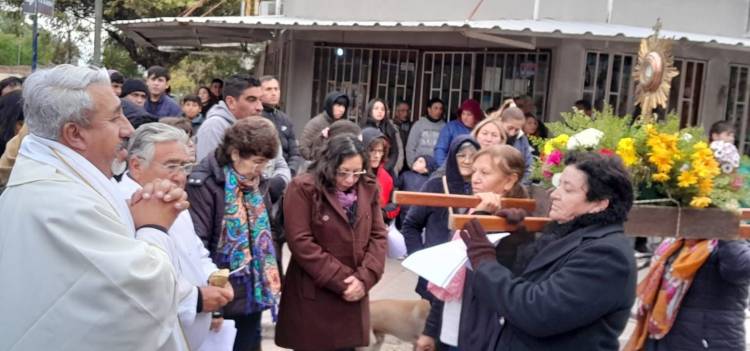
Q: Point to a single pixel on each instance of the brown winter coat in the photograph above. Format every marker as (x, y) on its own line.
(326, 249)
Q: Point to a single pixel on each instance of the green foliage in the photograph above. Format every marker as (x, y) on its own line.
(115, 57)
(16, 43)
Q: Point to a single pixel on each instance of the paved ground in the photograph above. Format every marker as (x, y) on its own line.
(398, 283)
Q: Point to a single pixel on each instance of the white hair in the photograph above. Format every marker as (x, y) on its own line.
(55, 96)
(143, 141)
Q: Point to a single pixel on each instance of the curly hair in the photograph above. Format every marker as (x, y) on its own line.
(607, 180)
(254, 136)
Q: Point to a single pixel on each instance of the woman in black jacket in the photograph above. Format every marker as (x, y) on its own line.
(576, 289)
(229, 205)
(376, 118)
(711, 313)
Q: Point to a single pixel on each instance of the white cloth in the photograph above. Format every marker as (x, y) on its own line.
(191, 261)
(450, 322)
(223, 340)
(396, 242)
(73, 276)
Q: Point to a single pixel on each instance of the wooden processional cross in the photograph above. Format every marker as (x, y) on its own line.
(657, 221)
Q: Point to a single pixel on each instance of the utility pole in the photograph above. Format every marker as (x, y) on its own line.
(97, 60)
(35, 37)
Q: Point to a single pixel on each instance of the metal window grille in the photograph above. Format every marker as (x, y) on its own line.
(687, 88)
(364, 74)
(608, 80)
(737, 104)
(488, 77)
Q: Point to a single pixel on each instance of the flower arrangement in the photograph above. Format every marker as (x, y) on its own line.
(664, 161)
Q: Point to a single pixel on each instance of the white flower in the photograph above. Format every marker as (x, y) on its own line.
(587, 138)
(727, 168)
(687, 137)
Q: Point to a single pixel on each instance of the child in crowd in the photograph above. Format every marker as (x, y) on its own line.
(414, 179)
(191, 109)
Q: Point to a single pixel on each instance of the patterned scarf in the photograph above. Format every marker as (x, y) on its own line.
(246, 241)
(675, 263)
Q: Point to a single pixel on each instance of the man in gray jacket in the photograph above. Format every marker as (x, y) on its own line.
(424, 134)
(242, 96)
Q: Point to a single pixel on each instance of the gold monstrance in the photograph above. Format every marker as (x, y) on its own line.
(653, 73)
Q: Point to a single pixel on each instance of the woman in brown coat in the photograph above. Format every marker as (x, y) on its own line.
(338, 240)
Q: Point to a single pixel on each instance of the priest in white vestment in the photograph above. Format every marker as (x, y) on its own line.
(73, 275)
(160, 151)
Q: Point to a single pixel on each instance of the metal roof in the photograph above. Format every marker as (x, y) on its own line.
(211, 31)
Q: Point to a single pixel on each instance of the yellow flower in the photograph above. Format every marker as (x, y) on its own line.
(626, 151)
(686, 179)
(660, 177)
(705, 186)
(557, 143)
(700, 202)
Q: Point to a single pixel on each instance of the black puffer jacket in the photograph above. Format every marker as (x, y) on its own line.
(712, 314)
(205, 191)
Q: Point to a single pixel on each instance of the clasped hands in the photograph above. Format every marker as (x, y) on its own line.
(157, 203)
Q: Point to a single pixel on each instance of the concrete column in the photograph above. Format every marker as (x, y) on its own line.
(299, 83)
(567, 77)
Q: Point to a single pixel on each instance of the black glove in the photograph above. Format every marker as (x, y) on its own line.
(513, 216)
(478, 247)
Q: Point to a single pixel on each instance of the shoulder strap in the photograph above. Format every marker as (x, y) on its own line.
(447, 191)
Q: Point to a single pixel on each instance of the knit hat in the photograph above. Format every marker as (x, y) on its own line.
(132, 85)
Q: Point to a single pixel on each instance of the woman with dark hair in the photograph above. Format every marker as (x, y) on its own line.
(338, 240)
(536, 128)
(229, 204)
(577, 283)
(208, 99)
(377, 147)
(11, 117)
(376, 112)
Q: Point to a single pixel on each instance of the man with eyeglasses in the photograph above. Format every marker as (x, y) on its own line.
(159, 151)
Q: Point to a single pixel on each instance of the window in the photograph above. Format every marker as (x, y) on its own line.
(608, 80)
(363, 74)
(685, 95)
(737, 105)
(488, 77)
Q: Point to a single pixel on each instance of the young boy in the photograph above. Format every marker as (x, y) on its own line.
(191, 109)
(413, 179)
(159, 103)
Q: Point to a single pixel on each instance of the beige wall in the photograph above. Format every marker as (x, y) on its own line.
(721, 17)
(566, 75)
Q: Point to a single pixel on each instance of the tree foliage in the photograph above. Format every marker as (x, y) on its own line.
(81, 12)
(16, 43)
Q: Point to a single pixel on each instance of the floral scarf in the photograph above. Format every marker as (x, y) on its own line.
(246, 241)
(674, 265)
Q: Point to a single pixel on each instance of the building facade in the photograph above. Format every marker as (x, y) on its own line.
(554, 51)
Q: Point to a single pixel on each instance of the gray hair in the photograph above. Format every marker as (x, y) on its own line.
(143, 142)
(55, 96)
(268, 78)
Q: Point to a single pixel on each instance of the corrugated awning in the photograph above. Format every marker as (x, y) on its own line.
(197, 32)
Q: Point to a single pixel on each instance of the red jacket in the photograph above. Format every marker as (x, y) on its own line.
(385, 183)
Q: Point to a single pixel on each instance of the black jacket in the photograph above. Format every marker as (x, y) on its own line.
(712, 313)
(285, 128)
(575, 293)
(385, 126)
(205, 191)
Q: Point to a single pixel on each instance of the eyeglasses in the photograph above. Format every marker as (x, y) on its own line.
(377, 151)
(173, 168)
(349, 174)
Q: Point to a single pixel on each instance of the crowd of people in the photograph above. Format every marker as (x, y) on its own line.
(121, 207)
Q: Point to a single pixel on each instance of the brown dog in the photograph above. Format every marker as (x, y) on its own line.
(403, 319)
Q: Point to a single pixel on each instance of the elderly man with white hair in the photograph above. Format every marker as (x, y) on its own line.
(160, 151)
(74, 277)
